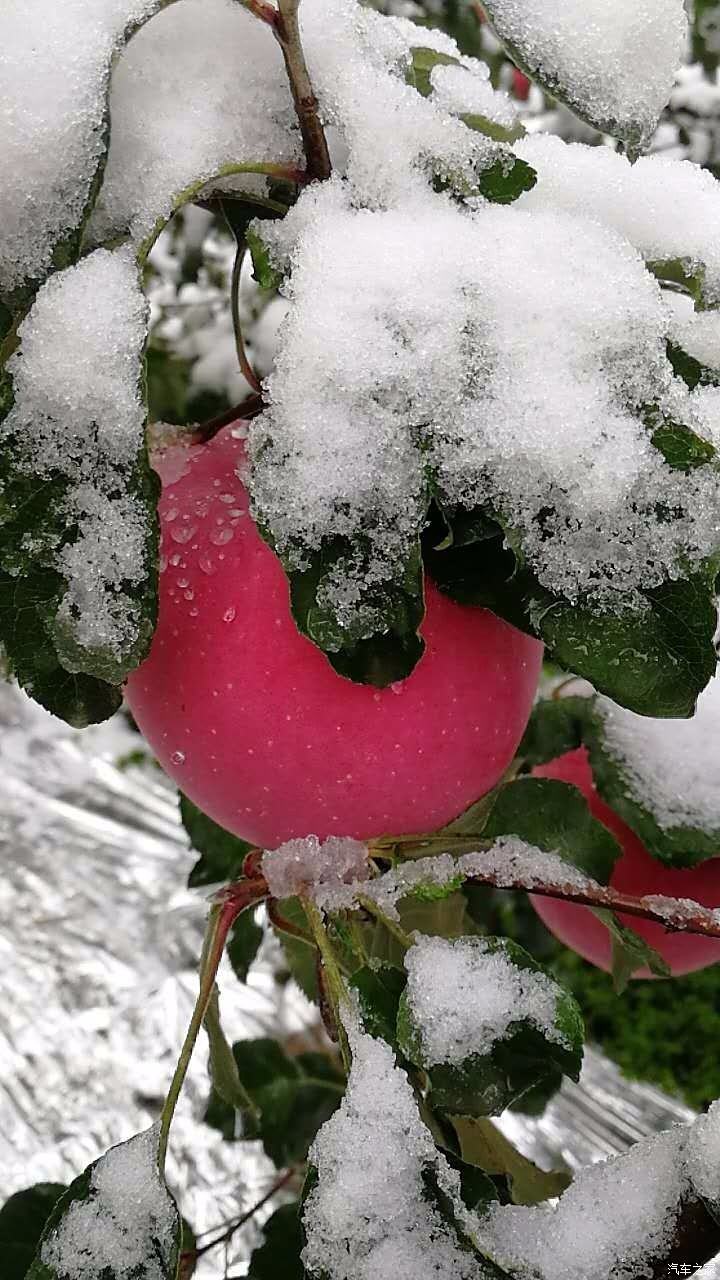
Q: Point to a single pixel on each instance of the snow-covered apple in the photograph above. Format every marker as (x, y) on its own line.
(252, 721)
(637, 873)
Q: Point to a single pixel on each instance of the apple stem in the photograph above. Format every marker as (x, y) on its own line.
(247, 409)
(335, 989)
(223, 914)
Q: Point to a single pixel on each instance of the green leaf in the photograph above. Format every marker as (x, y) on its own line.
(554, 816)
(685, 272)
(278, 1258)
(121, 1209)
(444, 1205)
(378, 652)
(301, 957)
(445, 917)
(482, 1144)
(243, 943)
(555, 727)
(294, 1097)
(378, 991)
(491, 129)
(681, 448)
(22, 1219)
(419, 73)
(705, 34)
(506, 179)
(629, 952)
(223, 1066)
(221, 853)
(486, 1082)
(264, 273)
(692, 372)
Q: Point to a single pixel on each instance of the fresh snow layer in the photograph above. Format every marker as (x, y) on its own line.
(370, 1215)
(611, 60)
(54, 72)
(465, 995)
(331, 870)
(671, 767)
(201, 86)
(78, 413)
(610, 1223)
(126, 1225)
(429, 336)
(664, 208)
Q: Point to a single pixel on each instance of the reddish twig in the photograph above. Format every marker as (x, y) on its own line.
(247, 409)
(287, 30)
(260, 9)
(229, 1232)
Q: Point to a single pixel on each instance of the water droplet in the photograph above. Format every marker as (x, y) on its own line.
(227, 497)
(219, 537)
(163, 564)
(237, 512)
(178, 757)
(397, 686)
(171, 514)
(194, 614)
(189, 595)
(182, 582)
(175, 560)
(229, 614)
(206, 565)
(183, 533)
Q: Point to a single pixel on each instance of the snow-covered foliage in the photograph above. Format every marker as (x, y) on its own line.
(108, 1230)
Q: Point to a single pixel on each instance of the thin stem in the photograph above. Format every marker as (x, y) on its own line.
(287, 30)
(222, 916)
(260, 9)
(247, 370)
(229, 1232)
(336, 990)
(388, 923)
(247, 409)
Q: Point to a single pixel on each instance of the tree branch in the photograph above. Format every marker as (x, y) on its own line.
(287, 30)
(247, 409)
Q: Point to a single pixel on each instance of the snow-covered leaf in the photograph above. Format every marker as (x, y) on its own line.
(612, 63)
(54, 128)
(78, 520)
(379, 987)
(117, 1221)
(554, 816)
(485, 1023)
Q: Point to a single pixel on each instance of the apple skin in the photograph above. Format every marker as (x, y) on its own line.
(256, 727)
(635, 872)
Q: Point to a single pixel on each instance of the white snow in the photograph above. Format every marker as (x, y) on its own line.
(330, 871)
(614, 62)
(465, 995)
(521, 385)
(665, 208)
(369, 1215)
(703, 1155)
(671, 767)
(128, 1209)
(78, 412)
(199, 87)
(54, 71)
(614, 1218)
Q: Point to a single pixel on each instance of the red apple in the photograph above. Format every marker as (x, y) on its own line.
(254, 724)
(635, 872)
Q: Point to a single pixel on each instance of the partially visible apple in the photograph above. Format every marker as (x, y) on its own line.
(255, 725)
(635, 872)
